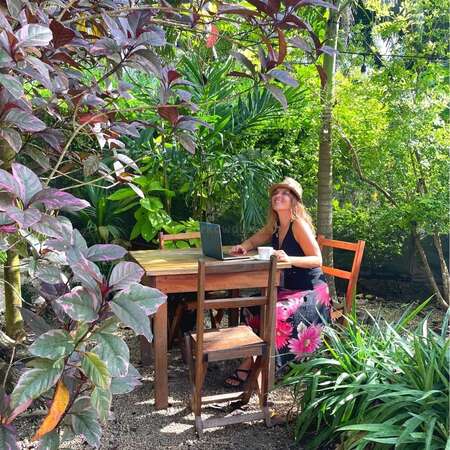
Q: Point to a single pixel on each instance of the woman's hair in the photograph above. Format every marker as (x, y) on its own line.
(298, 211)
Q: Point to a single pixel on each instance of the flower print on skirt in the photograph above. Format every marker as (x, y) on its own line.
(300, 317)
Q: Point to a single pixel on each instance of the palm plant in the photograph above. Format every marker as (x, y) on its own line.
(104, 220)
(376, 387)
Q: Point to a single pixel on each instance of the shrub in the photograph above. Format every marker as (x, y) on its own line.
(375, 387)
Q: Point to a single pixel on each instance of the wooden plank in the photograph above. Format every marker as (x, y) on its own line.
(160, 345)
(346, 275)
(337, 244)
(180, 261)
(230, 420)
(221, 398)
(239, 302)
(214, 282)
(181, 236)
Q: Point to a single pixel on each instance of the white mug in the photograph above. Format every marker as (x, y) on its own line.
(265, 252)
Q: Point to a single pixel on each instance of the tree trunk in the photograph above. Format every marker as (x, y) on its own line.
(325, 172)
(444, 269)
(13, 297)
(426, 266)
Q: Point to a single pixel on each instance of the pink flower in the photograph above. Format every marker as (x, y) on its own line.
(283, 332)
(308, 341)
(323, 294)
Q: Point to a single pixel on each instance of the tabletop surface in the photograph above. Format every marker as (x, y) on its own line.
(177, 261)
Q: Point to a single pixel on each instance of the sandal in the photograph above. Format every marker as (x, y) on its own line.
(234, 376)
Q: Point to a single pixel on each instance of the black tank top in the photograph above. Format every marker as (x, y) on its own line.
(297, 278)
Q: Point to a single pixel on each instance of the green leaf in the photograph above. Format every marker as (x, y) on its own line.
(34, 382)
(54, 344)
(50, 441)
(122, 194)
(149, 299)
(79, 304)
(8, 437)
(133, 315)
(124, 385)
(114, 352)
(151, 204)
(101, 401)
(95, 369)
(84, 421)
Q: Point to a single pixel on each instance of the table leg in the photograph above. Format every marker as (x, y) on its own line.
(160, 352)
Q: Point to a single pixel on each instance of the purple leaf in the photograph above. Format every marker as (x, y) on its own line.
(186, 141)
(51, 226)
(278, 95)
(12, 85)
(12, 137)
(244, 60)
(284, 77)
(149, 299)
(28, 181)
(34, 35)
(35, 322)
(87, 273)
(24, 120)
(328, 50)
(125, 273)
(25, 218)
(105, 252)
(19, 410)
(9, 184)
(8, 437)
(55, 199)
(8, 228)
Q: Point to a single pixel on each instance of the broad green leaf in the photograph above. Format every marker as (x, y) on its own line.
(101, 401)
(146, 297)
(50, 441)
(126, 384)
(114, 352)
(53, 344)
(122, 194)
(151, 203)
(95, 369)
(133, 315)
(79, 304)
(8, 437)
(34, 382)
(84, 421)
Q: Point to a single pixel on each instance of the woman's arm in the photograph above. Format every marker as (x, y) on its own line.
(259, 238)
(304, 235)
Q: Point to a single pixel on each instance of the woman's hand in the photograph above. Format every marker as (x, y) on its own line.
(281, 255)
(238, 250)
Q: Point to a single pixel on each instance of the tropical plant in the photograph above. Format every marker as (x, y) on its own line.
(184, 226)
(78, 359)
(375, 387)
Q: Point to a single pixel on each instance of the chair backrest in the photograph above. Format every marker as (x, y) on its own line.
(177, 237)
(352, 276)
(266, 300)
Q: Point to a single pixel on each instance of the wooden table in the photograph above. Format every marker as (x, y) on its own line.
(172, 271)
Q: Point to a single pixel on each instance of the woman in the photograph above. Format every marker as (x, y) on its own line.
(303, 301)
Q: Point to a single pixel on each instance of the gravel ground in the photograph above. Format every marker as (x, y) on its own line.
(138, 426)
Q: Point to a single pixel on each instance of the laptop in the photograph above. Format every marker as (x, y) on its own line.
(212, 242)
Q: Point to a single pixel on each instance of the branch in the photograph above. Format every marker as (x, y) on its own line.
(358, 169)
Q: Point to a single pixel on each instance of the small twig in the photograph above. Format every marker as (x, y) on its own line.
(13, 353)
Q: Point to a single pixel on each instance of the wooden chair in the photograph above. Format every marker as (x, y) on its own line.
(351, 277)
(177, 237)
(206, 346)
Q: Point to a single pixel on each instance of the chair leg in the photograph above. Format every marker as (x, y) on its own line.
(199, 380)
(264, 390)
(175, 325)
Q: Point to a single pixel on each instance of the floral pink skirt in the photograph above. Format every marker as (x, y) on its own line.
(300, 317)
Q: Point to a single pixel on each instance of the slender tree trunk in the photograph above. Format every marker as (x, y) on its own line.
(444, 267)
(13, 297)
(325, 172)
(426, 266)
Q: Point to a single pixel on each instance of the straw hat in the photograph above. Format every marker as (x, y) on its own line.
(288, 183)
